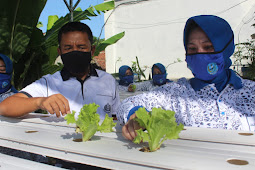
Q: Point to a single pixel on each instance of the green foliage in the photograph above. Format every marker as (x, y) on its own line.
(51, 20)
(18, 23)
(160, 125)
(133, 86)
(88, 121)
(176, 61)
(70, 118)
(39, 25)
(95, 40)
(112, 40)
(78, 15)
(137, 69)
(246, 51)
(34, 53)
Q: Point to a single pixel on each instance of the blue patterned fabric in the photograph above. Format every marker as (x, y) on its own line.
(230, 109)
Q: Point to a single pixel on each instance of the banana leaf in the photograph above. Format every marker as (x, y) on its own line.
(18, 19)
(51, 39)
(29, 67)
(108, 42)
(51, 35)
(51, 20)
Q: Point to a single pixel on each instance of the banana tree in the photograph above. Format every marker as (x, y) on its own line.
(32, 52)
(55, 23)
(18, 23)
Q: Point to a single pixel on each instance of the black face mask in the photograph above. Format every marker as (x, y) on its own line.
(76, 62)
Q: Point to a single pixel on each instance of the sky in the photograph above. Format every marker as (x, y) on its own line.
(58, 7)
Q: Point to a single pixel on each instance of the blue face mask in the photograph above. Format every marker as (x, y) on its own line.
(206, 66)
(127, 80)
(159, 79)
(5, 82)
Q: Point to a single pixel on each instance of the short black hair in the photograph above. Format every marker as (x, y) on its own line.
(75, 26)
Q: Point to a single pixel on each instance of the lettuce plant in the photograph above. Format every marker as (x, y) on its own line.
(133, 86)
(88, 121)
(160, 125)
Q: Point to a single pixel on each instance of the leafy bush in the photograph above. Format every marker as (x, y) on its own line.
(246, 51)
(34, 53)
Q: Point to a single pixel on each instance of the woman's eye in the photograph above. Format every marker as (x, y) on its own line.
(192, 49)
(209, 47)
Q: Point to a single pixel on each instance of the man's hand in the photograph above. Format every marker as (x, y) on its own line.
(128, 130)
(56, 103)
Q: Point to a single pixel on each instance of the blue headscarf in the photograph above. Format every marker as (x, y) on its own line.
(160, 66)
(159, 79)
(222, 37)
(9, 70)
(124, 79)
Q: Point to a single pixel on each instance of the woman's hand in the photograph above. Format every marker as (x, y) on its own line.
(128, 130)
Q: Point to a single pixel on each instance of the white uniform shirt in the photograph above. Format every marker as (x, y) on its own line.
(229, 109)
(101, 89)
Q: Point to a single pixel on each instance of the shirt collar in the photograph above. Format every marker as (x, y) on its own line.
(66, 75)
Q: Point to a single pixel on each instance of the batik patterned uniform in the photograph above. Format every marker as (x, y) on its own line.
(6, 94)
(140, 86)
(230, 109)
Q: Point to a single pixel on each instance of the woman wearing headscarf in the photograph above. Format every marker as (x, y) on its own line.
(159, 75)
(6, 69)
(215, 98)
(126, 76)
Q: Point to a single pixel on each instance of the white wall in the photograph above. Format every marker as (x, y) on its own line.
(154, 30)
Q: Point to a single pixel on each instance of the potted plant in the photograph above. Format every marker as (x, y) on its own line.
(244, 57)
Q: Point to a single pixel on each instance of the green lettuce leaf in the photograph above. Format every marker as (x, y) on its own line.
(160, 125)
(88, 121)
(70, 118)
(107, 124)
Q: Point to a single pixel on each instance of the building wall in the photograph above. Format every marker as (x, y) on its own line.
(154, 30)
(100, 60)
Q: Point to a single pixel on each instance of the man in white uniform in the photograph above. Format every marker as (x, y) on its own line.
(78, 83)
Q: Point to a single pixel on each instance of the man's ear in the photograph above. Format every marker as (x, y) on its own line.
(93, 48)
(59, 51)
